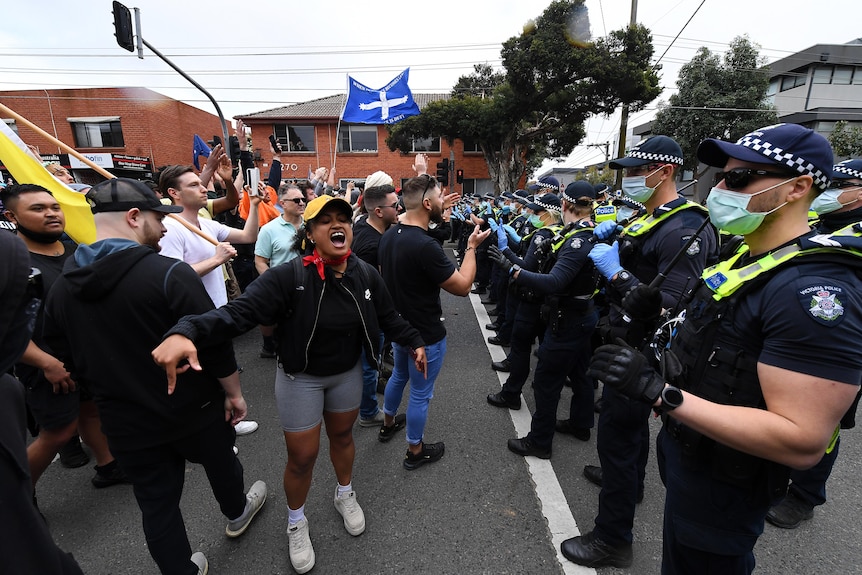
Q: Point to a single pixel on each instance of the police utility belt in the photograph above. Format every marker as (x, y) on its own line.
(579, 299)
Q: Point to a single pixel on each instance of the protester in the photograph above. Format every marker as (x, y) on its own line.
(323, 327)
(152, 430)
(414, 268)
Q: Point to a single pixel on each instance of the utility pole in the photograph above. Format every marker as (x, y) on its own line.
(624, 115)
(607, 148)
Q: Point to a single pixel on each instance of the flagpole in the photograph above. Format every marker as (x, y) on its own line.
(102, 171)
(338, 126)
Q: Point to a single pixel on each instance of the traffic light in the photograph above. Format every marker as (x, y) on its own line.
(443, 172)
(123, 27)
(459, 176)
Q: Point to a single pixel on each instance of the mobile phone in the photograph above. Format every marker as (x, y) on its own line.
(216, 141)
(275, 145)
(252, 178)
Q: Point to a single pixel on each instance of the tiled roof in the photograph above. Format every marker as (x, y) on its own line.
(328, 107)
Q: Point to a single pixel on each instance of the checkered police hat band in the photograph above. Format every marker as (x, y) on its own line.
(790, 160)
(847, 171)
(649, 156)
(549, 207)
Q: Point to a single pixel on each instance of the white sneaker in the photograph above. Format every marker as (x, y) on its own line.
(255, 498)
(245, 427)
(354, 518)
(300, 549)
(235, 450)
(375, 421)
(200, 560)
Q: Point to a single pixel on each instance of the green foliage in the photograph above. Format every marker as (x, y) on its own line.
(552, 83)
(718, 97)
(594, 176)
(846, 140)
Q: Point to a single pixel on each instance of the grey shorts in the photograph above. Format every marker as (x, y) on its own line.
(302, 398)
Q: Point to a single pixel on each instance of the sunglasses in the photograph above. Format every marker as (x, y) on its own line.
(840, 184)
(296, 201)
(393, 206)
(428, 181)
(739, 178)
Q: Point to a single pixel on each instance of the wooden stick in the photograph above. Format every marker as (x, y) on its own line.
(102, 171)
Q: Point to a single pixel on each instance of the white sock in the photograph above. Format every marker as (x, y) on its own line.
(342, 489)
(294, 516)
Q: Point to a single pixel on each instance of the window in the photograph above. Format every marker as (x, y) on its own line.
(857, 76)
(357, 139)
(793, 80)
(822, 75)
(97, 134)
(431, 144)
(842, 75)
(293, 138)
(471, 146)
(11, 124)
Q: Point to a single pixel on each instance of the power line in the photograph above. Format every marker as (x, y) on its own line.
(687, 22)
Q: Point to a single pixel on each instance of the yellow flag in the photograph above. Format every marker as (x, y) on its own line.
(27, 170)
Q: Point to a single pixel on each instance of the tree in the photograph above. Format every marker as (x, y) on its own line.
(553, 82)
(594, 176)
(846, 140)
(717, 98)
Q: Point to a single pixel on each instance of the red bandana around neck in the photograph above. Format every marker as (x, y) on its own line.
(319, 262)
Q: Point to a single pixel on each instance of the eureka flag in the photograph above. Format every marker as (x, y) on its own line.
(28, 170)
(199, 148)
(387, 105)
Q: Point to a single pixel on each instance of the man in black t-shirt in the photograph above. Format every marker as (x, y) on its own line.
(414, 268)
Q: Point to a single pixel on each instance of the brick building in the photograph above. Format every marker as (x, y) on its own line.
(311, 133)
(127, 131)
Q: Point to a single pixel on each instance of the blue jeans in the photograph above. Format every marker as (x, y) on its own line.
(368, 408)
(421, 388)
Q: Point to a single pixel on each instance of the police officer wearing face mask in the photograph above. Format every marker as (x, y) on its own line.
(839, 207)
(760, 373)
(646, 248)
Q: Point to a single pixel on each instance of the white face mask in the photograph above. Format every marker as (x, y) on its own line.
(728, 210)
(827, 202)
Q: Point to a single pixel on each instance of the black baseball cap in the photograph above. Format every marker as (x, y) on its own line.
(123, 194)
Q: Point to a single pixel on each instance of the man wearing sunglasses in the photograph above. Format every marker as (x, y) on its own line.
(276, 244)
(838, 207)
(648, 246)
(763, 369)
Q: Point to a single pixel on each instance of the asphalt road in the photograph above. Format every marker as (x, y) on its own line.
(481, 509)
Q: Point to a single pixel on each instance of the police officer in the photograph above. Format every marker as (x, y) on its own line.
(839, 207)
(603, 209)
(646, 248)
(763, 370)
(526, 302)
(570, 318)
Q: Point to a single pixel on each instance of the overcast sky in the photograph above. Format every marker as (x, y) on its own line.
(253, 56)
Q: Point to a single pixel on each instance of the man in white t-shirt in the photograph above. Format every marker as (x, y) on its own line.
(184, 187)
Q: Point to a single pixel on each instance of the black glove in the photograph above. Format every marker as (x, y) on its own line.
(627, 371)
(500, 259)
(643, 303)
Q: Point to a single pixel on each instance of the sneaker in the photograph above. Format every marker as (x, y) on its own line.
(791, 512)
(235, 450)
(245, 427)
(347, 506)
(72, 455)
(267, 353)
(430, 453)
(387, 433)
(200, 560)
(108, 475)
(254, 500)
(374, 421)
(301, 551)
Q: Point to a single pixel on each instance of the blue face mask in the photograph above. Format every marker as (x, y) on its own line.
(728, 210)
(624, 213)
(635, 187)
(827, 202)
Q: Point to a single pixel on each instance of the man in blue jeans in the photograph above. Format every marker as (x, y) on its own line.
(414, 268)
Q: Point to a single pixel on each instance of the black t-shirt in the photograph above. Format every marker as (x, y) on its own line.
(413, 266)
(366, 239)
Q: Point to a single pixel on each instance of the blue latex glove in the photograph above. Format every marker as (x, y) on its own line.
(493, 223)
(513, 235)
(607, 258)
(502, 239)
(606, 229)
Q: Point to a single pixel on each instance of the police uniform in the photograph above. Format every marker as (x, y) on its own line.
(570, 320)
(792, 308)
